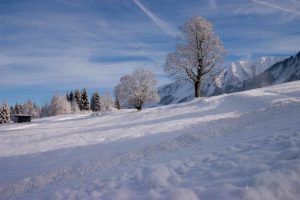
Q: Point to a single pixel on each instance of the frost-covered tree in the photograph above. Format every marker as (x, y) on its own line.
(197, 54)
(37, 111)
(30, 108)
(74, 107)
(4, 113)
(60, 106)
(106, 103)
(74, 99)
(136, 89)
(85, 104)
(95, 102)
(46, 110)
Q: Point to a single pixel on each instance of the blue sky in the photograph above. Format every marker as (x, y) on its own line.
(52, 46)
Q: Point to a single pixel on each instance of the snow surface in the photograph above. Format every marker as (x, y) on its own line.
(236, 146)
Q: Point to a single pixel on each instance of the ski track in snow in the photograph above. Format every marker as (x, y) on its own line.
(238, 146)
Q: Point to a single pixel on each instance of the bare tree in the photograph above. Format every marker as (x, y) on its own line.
(136, 89)
(198, 52)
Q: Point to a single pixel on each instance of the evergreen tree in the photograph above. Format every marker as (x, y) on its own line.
(77, 96)
(4, 113)
(17, 109)
(84, 105)
(20, 109)
(71, 97)
(95, 102)
(12, 112)
(68, 97)
(117, 104)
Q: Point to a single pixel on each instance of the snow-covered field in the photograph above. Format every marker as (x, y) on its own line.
(238, 146)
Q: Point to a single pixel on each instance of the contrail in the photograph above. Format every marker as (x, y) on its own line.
(296, 1)
(167, 28)
(278, 7)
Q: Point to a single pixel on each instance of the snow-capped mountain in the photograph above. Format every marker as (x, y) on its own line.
(285, 71)
(238, 76)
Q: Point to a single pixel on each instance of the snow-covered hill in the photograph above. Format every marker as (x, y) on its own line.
(243, 145)
(238, 76)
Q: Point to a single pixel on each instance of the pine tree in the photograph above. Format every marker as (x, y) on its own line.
(68, 97)
(117, 104)
(77, 96)
(95, 102)
(71, 97)
(4, 113)
(85, 105)
(17, 109)
(21, 109)
(12, 112)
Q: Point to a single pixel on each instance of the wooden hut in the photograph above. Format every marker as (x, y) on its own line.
(21, 118)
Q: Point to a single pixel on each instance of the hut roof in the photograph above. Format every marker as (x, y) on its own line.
(22, 115)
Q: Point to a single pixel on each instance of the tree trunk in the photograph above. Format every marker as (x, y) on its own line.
(197, 89)
(139, 107)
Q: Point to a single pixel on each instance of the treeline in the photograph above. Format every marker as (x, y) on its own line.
(74, 102)
(133, 91)
(27, 108)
